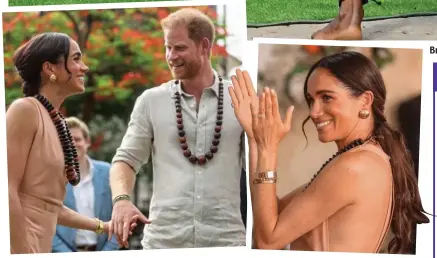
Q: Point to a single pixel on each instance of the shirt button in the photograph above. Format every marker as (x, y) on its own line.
(198, 197)
(199, 149)
(199, 172)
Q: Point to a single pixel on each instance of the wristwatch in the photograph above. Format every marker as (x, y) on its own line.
(268, 175)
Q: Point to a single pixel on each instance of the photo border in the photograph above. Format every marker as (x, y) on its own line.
(4, 216)
(423, 241)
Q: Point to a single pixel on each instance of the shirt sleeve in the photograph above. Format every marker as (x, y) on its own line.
(136, 145)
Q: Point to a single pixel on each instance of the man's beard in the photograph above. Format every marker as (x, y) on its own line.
(190, 70)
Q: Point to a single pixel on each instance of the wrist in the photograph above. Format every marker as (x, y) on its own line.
(266, 160)
(121, 197)
(100, 226)
(267, 152)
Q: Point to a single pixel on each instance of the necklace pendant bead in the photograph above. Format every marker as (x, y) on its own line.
(201, 160)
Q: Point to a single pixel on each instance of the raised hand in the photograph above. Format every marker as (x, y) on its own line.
(268, 127)
(243, 97)
(124, 214)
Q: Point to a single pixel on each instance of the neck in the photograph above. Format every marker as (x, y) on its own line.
(55, 98)
(84, 166)
(362, 134)
(196, 85)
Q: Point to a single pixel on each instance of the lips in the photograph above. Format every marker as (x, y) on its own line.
(176, 64)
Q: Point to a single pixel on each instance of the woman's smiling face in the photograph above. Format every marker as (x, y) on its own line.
(333, 110)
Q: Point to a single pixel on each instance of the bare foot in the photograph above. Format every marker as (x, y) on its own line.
(346, 26)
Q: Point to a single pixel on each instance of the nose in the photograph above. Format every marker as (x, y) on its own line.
(172, 55)
(85, 68)
(316, 110)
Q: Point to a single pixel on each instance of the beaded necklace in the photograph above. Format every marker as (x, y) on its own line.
(202, 159)
(71, 160)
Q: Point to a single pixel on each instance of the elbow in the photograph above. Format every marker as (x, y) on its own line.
(266, 243)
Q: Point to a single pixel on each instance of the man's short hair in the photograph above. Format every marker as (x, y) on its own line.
(74, 122)
(198, 24)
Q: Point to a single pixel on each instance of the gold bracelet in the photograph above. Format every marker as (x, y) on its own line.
(264, 181)
(100, 226)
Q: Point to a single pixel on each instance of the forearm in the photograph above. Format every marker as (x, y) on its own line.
(17, 223)
(72, 219)
(122, 179)
(265, 201)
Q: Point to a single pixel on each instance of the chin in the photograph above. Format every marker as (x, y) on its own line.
(325, 138)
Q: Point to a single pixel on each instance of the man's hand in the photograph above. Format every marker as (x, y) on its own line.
(124, 216)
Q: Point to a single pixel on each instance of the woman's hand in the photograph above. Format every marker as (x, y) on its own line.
(268, 127)
(243, 97)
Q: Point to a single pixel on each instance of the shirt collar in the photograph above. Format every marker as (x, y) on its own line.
(214, 87)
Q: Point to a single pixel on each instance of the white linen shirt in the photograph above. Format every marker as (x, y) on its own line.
(192, 205)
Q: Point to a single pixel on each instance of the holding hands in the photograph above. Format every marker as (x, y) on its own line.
(259, 116)
(124, 219)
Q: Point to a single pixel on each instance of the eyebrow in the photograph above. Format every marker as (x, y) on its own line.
(77, 54)
(321, 92)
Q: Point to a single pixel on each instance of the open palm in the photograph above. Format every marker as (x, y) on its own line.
(244, 100)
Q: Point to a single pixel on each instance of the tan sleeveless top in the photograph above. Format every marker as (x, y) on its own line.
(42, 189)
(318, 239)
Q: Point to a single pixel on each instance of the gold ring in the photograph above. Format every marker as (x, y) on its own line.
(260, 115)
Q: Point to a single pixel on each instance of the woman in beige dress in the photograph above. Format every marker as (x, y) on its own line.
(367, 187)
(41, 156)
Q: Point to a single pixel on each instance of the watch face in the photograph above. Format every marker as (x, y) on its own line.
(268, 175)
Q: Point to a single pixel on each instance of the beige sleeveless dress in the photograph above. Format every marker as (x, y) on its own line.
(42, 189)
(318, 239)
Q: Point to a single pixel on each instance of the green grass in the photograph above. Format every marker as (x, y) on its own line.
(272, 11)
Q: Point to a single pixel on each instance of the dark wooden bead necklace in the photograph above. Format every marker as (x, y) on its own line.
(71, 160)
(202, 159)
(351, 145)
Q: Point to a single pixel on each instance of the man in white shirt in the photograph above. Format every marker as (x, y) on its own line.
(189, 127)
(91, 198)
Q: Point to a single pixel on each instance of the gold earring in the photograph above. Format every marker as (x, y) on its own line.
(53, 78)
(363, 114)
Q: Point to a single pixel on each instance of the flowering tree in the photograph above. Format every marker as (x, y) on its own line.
(124, 50)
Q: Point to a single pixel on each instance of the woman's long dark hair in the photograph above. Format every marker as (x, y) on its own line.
(359, 74)
(29, 58)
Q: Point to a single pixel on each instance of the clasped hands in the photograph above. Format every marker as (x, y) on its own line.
(125, 218)
(259, 115)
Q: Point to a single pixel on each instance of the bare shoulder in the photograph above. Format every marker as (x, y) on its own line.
(22, 114)
(22, 105)
(364, 165)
